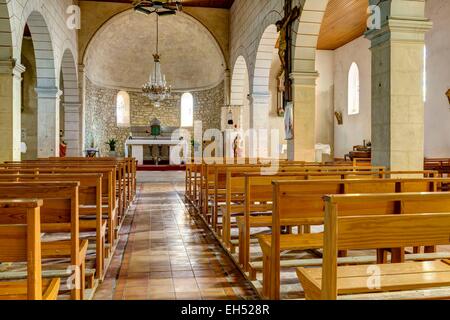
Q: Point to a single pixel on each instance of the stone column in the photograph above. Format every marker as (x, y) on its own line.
(10, 110)
(259, 110)
(259, 122)
(397, 82)
(48, 122)
(302, 147)
(72, 128)
(82, 84)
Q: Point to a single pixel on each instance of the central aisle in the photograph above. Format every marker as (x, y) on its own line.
(170, 253)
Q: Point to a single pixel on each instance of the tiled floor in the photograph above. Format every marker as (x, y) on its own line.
(170, 254)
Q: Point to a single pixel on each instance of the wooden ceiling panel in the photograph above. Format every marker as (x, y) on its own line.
(188, 3)
(344, 21)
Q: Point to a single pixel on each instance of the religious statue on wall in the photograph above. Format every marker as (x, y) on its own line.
(284, 44)
(282, 28)
(281, 88)
(237, 146)
(289, 121)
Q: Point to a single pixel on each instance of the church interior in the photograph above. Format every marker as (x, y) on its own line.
(224, 150)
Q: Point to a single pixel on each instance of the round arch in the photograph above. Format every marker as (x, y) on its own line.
(71, 104)
(240, 90)
(47, 88)
(116, 16)
(308, 31)
(263, 62)
(203, 50)
(239, 82)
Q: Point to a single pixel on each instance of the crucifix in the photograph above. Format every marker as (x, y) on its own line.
(284, 45)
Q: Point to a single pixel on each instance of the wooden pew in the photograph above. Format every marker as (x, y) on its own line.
(229, 181)
(59, 214)
(258, 189)
(208, 171)
(422, 219)
(118, 166)
(300, 203)
(110, 201)
(440, 164)
(46, 166)
(129, 173)
(90, 202)
(20, 240)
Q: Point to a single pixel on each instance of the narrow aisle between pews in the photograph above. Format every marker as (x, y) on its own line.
(170, 253)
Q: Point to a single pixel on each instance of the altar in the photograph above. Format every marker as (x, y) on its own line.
(137, 147)
(158, 138)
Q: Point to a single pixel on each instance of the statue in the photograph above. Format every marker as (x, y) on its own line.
(62, 145)
(282, 28)
(237, 146)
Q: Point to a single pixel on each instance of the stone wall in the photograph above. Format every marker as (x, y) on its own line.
(101, 113)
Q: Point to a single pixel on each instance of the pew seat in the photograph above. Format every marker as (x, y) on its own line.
(257, 266)
(393, 277)
(17, 290)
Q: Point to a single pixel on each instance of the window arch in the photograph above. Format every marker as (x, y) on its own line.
(187, 110)
(353, 90)
(123, 109)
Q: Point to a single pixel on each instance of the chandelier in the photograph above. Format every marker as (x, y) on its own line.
(156, 89)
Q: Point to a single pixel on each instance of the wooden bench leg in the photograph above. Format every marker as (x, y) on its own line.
(430, 249)
(90, 281)
(83, 280)
(342, 253)
(397, 255)
(241, 247)
(266, 276)
(252, 273)
(382, 256)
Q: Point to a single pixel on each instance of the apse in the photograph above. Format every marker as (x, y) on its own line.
(121, 54)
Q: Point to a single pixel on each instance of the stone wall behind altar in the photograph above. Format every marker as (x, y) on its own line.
(101, 124)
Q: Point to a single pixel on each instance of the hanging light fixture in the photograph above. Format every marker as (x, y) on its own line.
(156, 89)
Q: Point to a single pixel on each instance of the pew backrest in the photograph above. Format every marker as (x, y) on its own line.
(20, 240)
(405, 229)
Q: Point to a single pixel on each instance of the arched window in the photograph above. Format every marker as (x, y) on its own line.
(123, 109)
(353, 90)
(187, 110)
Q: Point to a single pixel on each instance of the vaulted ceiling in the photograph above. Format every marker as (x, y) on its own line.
(188, 3)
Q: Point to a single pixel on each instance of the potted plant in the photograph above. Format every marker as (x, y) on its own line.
(112, 143)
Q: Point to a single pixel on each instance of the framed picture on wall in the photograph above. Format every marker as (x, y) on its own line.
(289, 121)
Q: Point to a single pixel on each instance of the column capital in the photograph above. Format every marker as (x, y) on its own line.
(304, 78)
(395, 29)
(72, 107)
(48, 92)
(259, 98)
(11, 66)
(81, 67)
